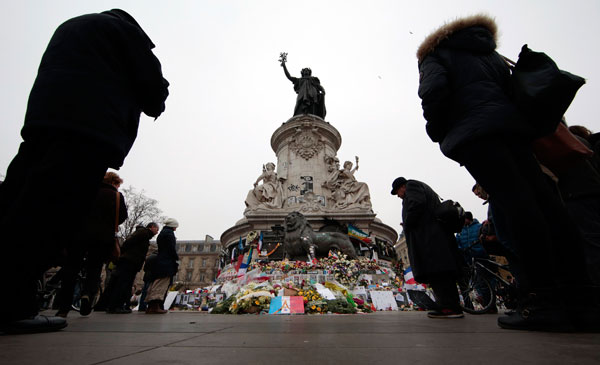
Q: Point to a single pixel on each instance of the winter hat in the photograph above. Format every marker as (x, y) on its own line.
(171, 222)
(397, 183)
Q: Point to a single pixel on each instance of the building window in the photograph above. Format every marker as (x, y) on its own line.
(213, 248)
(201, 276)
(203, 262)
(191, 264)
(188, 276)
(200, 247)
(188, 248)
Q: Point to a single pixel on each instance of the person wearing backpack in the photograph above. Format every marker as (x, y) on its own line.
(466, 96)
(432, 249)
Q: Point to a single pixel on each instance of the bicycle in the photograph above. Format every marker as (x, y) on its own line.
(477, 294)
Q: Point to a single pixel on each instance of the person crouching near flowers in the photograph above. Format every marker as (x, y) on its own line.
(165, 267)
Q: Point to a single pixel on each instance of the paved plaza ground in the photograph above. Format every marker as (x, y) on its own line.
(377, 338)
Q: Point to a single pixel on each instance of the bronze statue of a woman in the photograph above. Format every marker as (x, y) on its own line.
(311, 95)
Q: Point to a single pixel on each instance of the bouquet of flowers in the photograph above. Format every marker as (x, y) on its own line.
(252, 298)
(313, 301)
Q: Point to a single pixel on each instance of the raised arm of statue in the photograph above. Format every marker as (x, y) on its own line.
(287, 73)
(261, 177)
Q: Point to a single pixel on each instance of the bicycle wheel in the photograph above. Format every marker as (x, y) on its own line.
(476, 294)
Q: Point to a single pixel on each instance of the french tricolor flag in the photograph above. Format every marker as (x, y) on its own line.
(408, 277)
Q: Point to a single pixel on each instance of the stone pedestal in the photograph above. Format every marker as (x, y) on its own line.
(308, 179)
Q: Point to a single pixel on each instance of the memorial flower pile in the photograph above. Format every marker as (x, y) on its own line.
(340, 265)
(252, 298)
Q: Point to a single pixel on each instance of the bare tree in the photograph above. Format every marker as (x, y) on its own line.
(140, 210)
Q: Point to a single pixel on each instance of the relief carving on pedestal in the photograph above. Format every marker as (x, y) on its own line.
(306, 142)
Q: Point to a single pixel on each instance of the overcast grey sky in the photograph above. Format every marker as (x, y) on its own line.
(228, 92)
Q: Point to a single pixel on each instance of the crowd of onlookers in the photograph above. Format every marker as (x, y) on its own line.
(546, 216)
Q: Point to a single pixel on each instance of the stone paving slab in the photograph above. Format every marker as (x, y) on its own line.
(377, 338)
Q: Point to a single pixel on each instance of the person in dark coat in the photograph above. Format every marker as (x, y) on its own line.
(580, 189)
(432, 250)
(96, 76)
(94, 248)
(465, 92)
(148, 278)
(133, 254)
(163, 269)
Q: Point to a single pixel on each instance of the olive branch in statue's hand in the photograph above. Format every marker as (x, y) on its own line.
(283, 57)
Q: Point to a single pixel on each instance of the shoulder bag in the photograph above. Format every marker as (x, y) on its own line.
(541, 90)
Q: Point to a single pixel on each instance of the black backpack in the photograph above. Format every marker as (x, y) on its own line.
(451, 215)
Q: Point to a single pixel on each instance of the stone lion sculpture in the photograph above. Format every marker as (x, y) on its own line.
(301, 241)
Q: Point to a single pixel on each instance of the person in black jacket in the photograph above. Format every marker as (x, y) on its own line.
(148, 277)
(432, 251)
(163, 269)
(96, 76)
(465, 92)
(133, 254)
(94, 247)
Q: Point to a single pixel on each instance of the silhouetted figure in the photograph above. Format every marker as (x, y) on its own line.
(432, 250)
(465, 88)
(164, 268)
(311, 95)
(95, 78)
(133, 255)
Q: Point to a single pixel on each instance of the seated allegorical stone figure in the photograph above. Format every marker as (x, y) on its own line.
(346, 191)
(355, 192)
(269, 194)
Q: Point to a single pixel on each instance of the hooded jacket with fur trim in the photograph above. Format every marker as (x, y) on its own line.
(465, 84)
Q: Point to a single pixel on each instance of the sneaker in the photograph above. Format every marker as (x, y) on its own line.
(85, 307)
(445, 313)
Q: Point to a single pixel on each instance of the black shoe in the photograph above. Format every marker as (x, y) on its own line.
(35, 324)
(537, 319)
(85, 308)
(445, 313)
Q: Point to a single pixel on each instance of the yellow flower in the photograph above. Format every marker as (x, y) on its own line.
(314, 298)
(313, 307)
(300, 292)
(319, 309)
(256, 302)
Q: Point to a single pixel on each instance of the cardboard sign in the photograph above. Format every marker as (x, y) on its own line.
(169, 299)
(383, 300)
(287, 305)
(325, 292)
